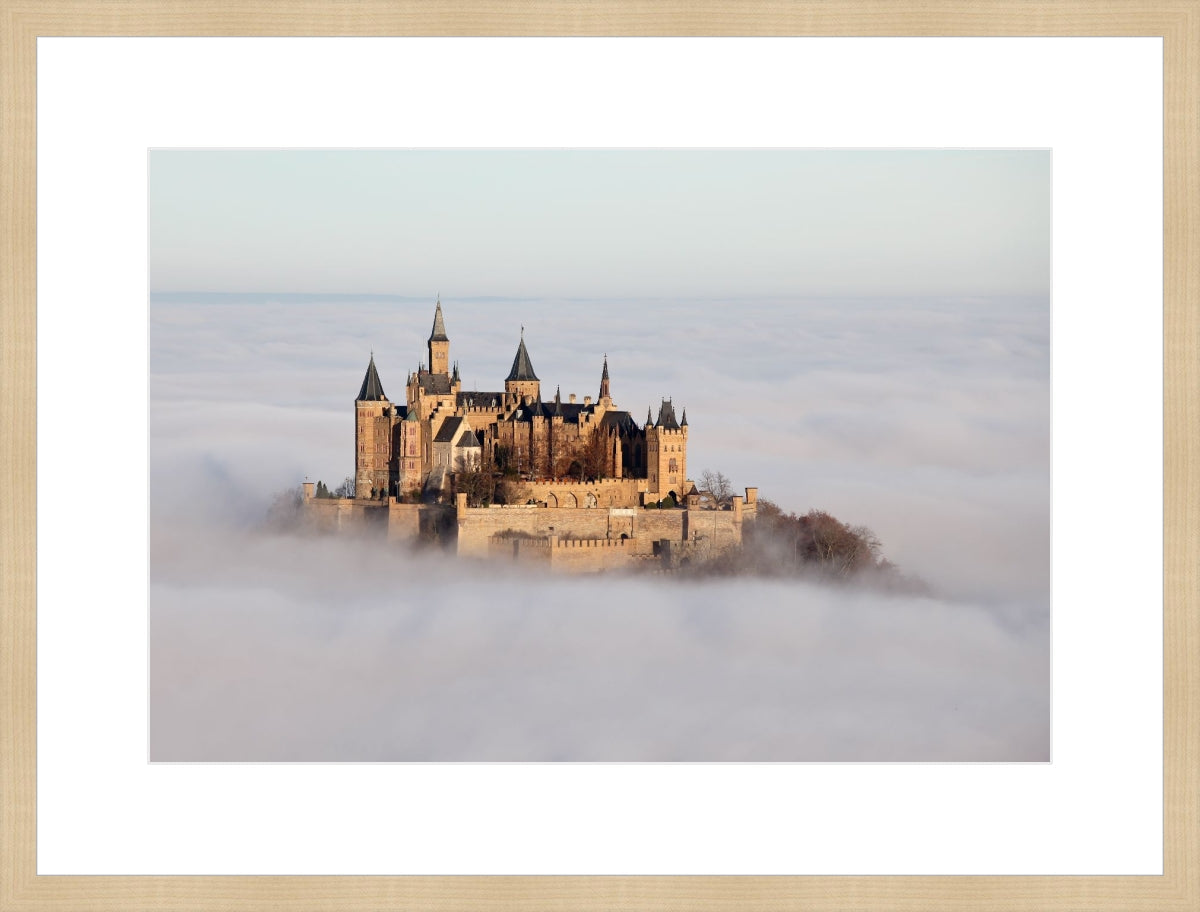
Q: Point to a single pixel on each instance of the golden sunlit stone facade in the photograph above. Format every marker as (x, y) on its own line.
(413, 452)
(583, 486)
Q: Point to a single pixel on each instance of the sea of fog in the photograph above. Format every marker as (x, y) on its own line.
(926, 420)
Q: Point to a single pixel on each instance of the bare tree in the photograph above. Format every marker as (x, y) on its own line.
(593, 455)
(475, 478)
(284, 512)
(346, 488)
(511, 490)
(838, 547)
(718, 487)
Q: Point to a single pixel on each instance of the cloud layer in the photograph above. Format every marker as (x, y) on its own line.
(925, 420)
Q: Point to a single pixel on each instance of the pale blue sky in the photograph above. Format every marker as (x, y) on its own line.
(582, 224)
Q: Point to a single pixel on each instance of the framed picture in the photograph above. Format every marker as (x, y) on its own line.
(258, 122)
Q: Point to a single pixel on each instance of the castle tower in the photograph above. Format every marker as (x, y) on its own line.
(557, 448)
(605, 396)
(521, 380)
(439, 343)
(412, 449)
(666, 452)
(372, 435)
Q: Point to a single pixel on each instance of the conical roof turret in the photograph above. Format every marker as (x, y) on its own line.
(683, 423)
(372, 389)
(522, 367)
(557, 402)
(439, 325)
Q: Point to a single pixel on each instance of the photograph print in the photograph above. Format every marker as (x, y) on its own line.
(599, 455)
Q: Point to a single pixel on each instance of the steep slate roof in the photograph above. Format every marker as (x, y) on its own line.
(448, 429)
(666, 416)
(621, 421)
(571, 411)
(522, 368)
(468, 439)
(438, 384)
(476, 399)
(439, 325)
(372, 389)
(531, 411)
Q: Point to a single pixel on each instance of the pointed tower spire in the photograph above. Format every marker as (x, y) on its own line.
(558, 402)
(522, 367)
(604, 393)
(683, 423)
(439, 324)
(372, 389)
(439, 343)
(649, 420)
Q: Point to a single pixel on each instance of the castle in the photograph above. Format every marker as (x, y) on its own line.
(577, 485)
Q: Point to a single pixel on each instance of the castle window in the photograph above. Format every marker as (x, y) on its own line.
(674, 466)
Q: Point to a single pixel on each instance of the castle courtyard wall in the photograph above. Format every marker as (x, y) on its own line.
(343, 514)
(609, 492)
(582, 539)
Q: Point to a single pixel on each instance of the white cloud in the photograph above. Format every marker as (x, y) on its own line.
(925, 420)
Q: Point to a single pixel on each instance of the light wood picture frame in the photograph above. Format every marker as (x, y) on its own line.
(1177, 22)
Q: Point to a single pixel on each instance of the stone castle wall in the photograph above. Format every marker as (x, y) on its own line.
(596, 539)
(568, 539)
(345, 514)
(609, 492)
(477, 525)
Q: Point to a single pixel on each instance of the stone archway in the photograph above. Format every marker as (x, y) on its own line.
(569, 501)
(591, 500)
(551, 500)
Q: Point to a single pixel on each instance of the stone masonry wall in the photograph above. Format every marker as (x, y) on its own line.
(710, 531)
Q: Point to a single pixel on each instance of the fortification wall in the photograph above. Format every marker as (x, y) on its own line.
(710, 531)
(714, 531)
(593, 556)
(532, 551)
(404, 521)
(477, 525)
(338, 514)
(610, 492)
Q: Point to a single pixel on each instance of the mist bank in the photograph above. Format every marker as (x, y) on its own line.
(925, 420)
(270, 647)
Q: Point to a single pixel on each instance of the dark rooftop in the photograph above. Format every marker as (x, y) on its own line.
(439, 325)
(666, 416)
(522, 367)
(448, 429)
(372, 389)
(476, 399)
(621, 421)
(437, 384)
